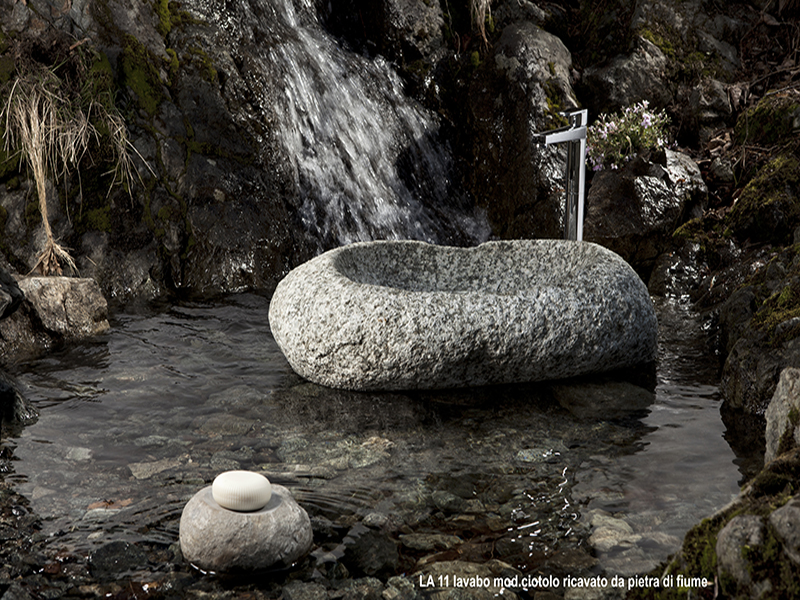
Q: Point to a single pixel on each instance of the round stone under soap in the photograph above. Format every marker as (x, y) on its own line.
(217, 539)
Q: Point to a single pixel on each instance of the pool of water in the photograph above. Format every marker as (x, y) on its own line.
(607, 469)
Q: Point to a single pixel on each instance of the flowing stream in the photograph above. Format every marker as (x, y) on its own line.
(134, 423)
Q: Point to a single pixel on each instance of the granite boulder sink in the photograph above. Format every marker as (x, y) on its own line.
(394, 315)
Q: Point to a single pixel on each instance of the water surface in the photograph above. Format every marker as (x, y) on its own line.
(134, 423)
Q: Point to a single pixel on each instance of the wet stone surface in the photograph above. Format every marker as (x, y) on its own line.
(530, 479)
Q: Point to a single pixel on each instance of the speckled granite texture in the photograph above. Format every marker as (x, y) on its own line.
(409, 315)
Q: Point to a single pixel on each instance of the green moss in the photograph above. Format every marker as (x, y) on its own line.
(773, 120)
(99, 219)
(769, 208)
(199, 57)
(140, 74)
(662, 42)
(173, 65)
(164, 17)
(555, 104)
(686, 62)
(475, 59)
(7, 68)
(165, 213)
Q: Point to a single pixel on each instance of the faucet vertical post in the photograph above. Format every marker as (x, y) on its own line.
(575, 174)
(575, 177)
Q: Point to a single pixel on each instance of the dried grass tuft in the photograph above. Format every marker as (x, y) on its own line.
(53, 132)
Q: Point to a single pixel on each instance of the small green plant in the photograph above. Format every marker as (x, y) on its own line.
(51, 126)
(615, 140)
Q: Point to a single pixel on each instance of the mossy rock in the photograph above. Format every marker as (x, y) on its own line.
(140, 73)
(769, 208)
(774, 119)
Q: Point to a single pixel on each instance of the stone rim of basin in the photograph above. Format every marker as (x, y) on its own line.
(410, 315)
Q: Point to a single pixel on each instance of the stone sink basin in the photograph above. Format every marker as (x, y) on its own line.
(395, 315)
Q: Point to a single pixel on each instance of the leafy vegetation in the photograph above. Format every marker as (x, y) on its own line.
(616, 139)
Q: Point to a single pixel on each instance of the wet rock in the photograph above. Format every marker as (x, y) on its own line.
(10, 294)
(55, 309)
(609, 532)
(67, 307)
(677, 273)
(523, 86)
(607, 400)
(147, 469)
(741, 532)
(367, 588)
(370, 552)
(115, 558)
(783, 415)
(404, 30)
(627, 79)
(428, 542)
(634, 211)
(396, 315)
(448, 502)
(400, 587)
(752, 369)
(301, 590)
(16, 411)
(220, 540)
(786, 523)
(735, 315)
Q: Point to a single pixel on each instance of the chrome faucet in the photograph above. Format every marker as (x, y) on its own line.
(575, 136)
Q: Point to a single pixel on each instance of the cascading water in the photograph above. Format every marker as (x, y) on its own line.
(369, 163)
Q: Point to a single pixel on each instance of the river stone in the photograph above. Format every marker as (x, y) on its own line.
(410, 315)
(67, 306)
(220, 540)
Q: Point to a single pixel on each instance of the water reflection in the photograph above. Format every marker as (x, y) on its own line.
(134, 424)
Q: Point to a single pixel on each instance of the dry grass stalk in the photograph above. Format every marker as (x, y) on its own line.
(478, 10)
(53, 134)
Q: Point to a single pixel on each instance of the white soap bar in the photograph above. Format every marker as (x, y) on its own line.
(242, 491)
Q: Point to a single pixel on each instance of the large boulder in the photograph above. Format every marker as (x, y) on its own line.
(634, 210)
(403, 315)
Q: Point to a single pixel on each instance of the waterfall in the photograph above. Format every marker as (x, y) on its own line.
(369, 162)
